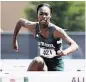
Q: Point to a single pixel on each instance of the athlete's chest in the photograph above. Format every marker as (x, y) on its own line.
(40, 38)
(44, 33)
(45, 36)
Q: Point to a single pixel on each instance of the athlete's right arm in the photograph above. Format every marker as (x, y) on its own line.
(21, 23)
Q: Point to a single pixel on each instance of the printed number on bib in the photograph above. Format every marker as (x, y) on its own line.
(47, 52)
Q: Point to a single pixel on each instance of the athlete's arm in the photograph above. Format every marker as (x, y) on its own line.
(59, 32)
(22, 23)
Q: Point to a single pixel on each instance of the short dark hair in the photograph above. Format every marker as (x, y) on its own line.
(44, 4)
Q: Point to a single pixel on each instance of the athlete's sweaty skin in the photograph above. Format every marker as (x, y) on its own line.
(43, 17)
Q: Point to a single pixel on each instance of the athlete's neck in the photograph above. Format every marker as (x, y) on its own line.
(43, 26)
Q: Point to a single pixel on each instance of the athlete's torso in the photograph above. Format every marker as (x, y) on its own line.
(48, 46)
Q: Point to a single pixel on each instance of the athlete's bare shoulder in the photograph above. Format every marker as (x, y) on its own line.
(57, 28)
(26, 23)
(58, 32)
(30, 25)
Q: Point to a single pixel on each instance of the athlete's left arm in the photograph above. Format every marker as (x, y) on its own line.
(59, 32)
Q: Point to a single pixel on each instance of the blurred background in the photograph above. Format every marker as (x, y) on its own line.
(68, 15)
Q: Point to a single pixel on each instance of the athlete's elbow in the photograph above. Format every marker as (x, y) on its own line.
(76, 46)
(20, 22)
(18, 26)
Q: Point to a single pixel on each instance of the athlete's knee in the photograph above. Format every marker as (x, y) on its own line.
(38, 60)
(41, 63)
(37, 64)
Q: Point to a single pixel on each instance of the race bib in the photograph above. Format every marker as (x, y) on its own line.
(49, 53)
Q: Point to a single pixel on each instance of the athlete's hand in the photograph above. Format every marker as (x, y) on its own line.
(15, 46)
(61, 53)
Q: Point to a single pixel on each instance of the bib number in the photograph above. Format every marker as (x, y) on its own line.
(49, 53)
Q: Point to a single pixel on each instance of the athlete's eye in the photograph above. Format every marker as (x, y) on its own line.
(46, 14)
(41, 14)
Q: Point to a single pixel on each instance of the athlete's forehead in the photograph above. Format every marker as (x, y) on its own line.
(44, 9)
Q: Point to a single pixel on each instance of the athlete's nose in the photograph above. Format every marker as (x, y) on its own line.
(44, 16)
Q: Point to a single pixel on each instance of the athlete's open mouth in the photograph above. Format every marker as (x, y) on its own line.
(43, 20)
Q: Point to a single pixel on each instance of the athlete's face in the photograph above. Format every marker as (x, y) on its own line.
(44, 15)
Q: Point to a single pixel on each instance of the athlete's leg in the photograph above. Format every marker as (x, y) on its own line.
(37, 64)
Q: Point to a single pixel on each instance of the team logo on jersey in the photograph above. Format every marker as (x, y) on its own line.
(60, 41)
(46, 45)
(37, 35)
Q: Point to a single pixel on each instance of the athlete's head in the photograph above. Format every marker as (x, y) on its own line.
(44, 12)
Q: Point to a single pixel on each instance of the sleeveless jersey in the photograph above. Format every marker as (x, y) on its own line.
(48, 47)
